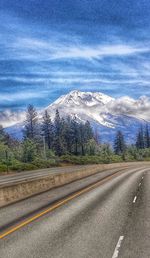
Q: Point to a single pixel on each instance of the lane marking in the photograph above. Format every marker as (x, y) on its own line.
(116, 252)
(139, 184)
(142, 177)
(134, 200)
(57, 205)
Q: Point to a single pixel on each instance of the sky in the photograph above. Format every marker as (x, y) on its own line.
(51, 47)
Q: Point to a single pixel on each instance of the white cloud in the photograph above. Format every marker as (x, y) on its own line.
(66, 78)
(24, 95)
(99, 51)
(22, 79)
(139, 108)
(9, 118)
(35, 48)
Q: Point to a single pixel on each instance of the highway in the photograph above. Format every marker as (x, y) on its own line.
(37, 174)
(102, 216)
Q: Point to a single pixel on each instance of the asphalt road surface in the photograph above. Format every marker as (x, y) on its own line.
(103, 216)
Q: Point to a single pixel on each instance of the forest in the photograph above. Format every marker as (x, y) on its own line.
(65, 141)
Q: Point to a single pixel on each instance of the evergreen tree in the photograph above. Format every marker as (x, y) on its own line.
(85, 134)
(96, 135)
(31, 123)
(140, 139)
(82, 138)
(29, 150)
(67, 134)
(119, 143)
(147, 137)
(75, 134)
(57, 134)
(88, 131)
(91, 147)
(2, 134)
(64, 136)
(6, 139)
(48, 129)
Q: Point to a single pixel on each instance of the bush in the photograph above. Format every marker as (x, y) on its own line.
(81, 160)
(3, 168)
(20, 166)
(116, 158)
(97, 159)
(28, 166)
(42, 163)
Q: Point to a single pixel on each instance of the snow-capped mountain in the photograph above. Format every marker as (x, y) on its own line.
(104, 112)
(84, 105)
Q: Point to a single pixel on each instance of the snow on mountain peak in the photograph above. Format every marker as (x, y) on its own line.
(101, 110)
(84, 105)
(83, 98)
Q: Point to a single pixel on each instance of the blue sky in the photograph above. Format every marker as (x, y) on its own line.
(50, 47)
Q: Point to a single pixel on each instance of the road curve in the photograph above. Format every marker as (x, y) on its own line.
(19, 177)
(89, 225)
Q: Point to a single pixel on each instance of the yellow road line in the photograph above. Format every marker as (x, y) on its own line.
(56, 205)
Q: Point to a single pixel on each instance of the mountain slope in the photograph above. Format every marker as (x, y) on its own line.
(83, 105)
(104, 113)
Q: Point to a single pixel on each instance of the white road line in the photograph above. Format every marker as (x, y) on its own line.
(139, 184)
(134, 200)
(142, 177)
(116, 252)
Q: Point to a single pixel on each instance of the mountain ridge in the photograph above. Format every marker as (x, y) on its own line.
(102, 111)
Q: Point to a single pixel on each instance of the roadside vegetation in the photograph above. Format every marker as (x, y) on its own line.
(65, 141)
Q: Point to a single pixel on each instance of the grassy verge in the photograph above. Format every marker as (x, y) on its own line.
(17, 166)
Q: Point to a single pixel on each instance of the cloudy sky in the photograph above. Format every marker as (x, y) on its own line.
(50, 47)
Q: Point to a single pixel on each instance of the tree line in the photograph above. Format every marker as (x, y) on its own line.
(142, 141)
(61, 136)
(47, 142)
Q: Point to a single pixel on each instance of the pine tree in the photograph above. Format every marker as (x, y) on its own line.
(85, 134)
(64, 136)
(29, 150)
(5, 138)
(31, 123)
(88, 131)
(48, 129)
(140, 139)
(75, 134)
(2, 134)
(82, 138)
(57, 134)
(96, 135)
(119, 143)
(147, 137)
(68, 134)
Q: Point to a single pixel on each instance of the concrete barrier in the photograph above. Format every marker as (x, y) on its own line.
(18, 191)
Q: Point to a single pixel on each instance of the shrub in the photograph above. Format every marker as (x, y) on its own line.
(116, 158)
(41, 163)
(81, 160)
(3, 168)
(20, 166)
